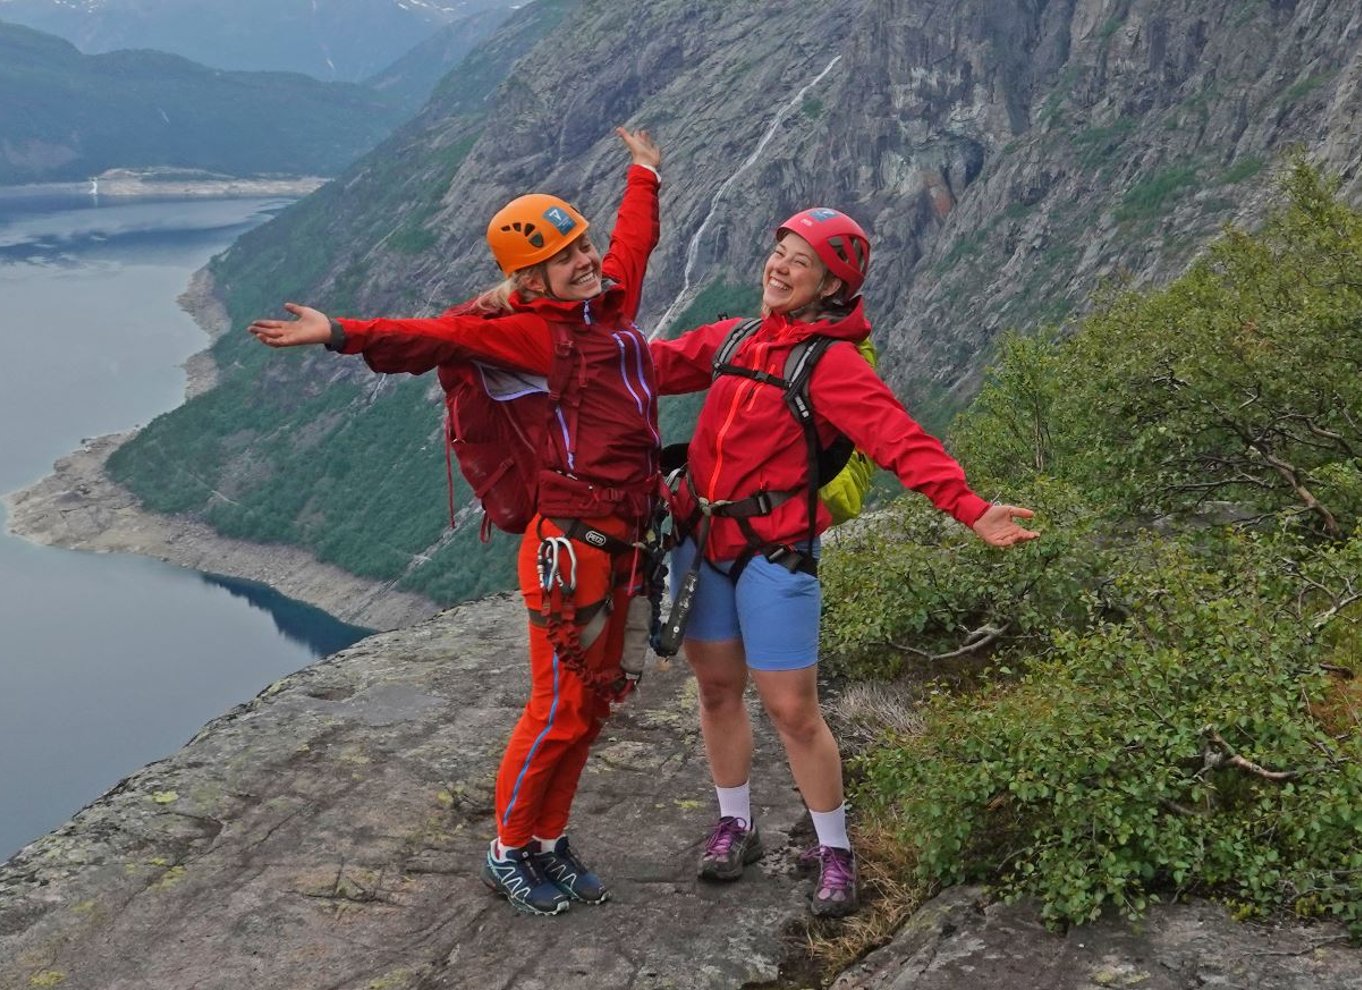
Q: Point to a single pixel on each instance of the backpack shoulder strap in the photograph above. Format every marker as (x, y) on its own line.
(724, 355)
(798, 370)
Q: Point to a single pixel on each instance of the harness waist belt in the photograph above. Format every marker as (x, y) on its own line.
(575, 529)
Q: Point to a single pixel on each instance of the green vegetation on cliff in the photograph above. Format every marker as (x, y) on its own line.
(349, 466)
(1159, 697)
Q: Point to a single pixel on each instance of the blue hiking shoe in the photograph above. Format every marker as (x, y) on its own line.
(561, 866)
(518, 879)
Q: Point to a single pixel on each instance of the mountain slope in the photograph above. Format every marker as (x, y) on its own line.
(1007, 158)
(409, 80)
(69, 116)
(338, 40)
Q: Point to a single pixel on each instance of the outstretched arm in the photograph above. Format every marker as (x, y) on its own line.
(414, 346)
(859, 404)
(312, 326)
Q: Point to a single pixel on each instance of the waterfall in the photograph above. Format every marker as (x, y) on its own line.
(693, 248)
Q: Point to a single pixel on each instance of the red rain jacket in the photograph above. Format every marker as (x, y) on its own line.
(600, 456)
(746, 440)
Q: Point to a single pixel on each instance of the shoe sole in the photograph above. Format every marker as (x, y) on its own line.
(524, 908)
(717, 873)
(834, 909)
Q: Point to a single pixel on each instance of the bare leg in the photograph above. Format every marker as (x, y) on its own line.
(791, 700)
(721, 676)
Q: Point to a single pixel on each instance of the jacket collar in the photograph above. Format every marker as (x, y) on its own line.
(852, 326)
(592, 310)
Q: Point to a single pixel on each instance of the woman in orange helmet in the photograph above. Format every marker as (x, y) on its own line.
(566, 313)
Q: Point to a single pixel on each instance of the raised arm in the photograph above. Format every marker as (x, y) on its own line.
(637, 226)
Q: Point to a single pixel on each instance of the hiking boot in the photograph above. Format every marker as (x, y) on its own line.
(517, 878)
(731, 845)
(569, 874)
(836, 892)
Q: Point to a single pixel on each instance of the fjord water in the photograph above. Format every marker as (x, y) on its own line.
(108, 662)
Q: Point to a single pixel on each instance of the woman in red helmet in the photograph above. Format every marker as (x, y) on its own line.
(755, 612)
(563, 312)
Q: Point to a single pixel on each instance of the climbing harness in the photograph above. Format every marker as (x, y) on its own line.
(573, 628)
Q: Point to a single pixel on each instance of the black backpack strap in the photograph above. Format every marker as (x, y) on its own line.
(723, 356)
(798, 370)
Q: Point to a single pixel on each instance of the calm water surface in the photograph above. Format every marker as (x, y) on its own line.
(110, 662)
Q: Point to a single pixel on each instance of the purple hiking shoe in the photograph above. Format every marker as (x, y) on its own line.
(836, 893)
(731, 845)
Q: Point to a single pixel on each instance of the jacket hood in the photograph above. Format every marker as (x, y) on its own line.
(852, 325)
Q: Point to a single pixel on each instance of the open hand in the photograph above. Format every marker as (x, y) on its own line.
(312, 326)
(998, 525)
(641, 146)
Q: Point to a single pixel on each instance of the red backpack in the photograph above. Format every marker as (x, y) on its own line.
(495, 420)
(494, 426)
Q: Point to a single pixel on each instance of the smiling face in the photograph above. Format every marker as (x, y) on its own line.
(794, 277)
(573, 274)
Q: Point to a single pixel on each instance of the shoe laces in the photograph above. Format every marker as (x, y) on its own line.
(722, 837)
(563, 853)
(525, 862)
(836, 871)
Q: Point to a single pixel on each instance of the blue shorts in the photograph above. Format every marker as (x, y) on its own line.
(773, 611)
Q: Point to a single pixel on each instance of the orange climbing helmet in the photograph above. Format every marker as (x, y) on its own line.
(838, 240)
(532, 228)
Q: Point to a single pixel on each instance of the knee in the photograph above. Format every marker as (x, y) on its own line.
(798, 723)
(720, 694)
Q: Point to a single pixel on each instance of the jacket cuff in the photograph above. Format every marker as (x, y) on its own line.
(970, 508)
(337, 341)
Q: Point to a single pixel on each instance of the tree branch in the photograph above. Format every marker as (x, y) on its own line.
(975, 640)
(1219, 753)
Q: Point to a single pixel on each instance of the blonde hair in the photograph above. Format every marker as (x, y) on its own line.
(497, 300)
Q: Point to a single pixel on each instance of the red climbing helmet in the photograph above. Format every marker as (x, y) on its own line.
(838, 240)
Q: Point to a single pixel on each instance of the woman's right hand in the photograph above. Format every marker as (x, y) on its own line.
(642, 147)
(312, 326)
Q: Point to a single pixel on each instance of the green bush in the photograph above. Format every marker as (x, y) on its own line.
(1107, 776)
(911, 588)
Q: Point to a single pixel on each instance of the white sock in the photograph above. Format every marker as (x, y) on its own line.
(499, 850)
(546, 845)
(736, 802)
(831, 827)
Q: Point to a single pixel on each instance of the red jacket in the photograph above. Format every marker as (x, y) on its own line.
(747, 441)
(604, 463)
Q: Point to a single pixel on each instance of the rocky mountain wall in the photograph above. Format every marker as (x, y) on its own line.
(1006, 155)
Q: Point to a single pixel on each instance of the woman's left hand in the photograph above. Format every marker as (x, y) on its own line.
(998, 525)
(642, 148)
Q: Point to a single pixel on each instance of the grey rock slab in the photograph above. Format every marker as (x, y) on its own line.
(959, 941)
(328, 835)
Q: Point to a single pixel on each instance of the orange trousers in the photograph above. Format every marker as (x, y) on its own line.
(548, 747)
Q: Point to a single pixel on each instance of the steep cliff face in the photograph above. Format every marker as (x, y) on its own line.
(1005, 154)
(1020, 152)
(1007, 157)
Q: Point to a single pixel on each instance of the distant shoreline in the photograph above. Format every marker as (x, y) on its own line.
(79, 507)
(169, 184)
